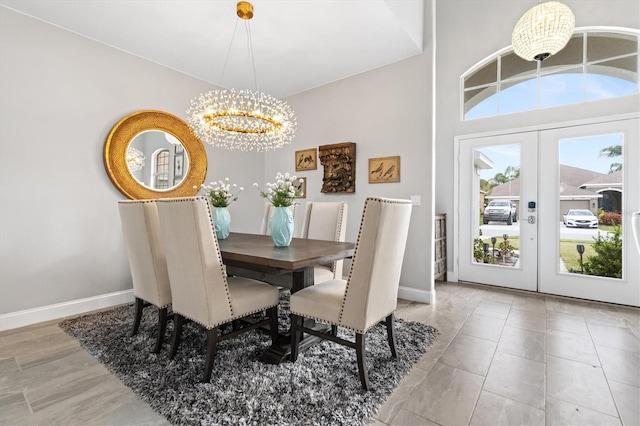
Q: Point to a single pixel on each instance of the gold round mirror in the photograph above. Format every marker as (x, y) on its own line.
(153, 154)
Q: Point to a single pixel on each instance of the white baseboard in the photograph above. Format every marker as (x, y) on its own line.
(417, 295)
(61, 310)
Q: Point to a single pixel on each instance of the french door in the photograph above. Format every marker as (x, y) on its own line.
(574, 190)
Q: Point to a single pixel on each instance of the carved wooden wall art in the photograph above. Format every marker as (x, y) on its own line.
(339, 161)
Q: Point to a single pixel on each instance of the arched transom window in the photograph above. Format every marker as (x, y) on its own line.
(594, 65)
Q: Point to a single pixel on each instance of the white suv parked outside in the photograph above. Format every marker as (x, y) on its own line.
(500, 211)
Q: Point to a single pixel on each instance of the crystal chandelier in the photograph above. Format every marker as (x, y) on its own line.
(543, 31)
(242, 120)
(135, 159)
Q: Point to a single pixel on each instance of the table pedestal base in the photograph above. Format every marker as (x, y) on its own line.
(279, 352)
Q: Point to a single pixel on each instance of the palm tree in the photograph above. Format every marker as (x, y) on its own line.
(612, 152)
(498, 179)
(485, 185)
(512, 172)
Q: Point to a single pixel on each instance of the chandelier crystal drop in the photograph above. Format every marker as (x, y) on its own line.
(543, 31)
(135, 159)
(242, 119)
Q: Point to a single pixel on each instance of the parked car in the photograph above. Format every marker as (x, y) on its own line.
(500, 211)
(580, 219)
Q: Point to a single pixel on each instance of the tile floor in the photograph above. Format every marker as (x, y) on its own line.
(515, 358)
(502, 358)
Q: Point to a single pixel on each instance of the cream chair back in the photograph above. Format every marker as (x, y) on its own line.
(265, 229)
(196, 271)
(143, 242)
(372, 286)
(326, 221)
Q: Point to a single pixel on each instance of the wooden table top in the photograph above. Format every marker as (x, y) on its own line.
(301, 253)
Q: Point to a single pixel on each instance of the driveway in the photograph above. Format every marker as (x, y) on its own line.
(497, 229)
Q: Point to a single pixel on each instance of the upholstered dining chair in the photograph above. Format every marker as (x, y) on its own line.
(322, 221)
(326, 221)
(201, 290)
(369, 295)
(143, 242)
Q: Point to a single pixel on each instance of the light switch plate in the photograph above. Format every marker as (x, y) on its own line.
(415, 200)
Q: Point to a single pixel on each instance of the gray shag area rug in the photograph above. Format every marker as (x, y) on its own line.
(321, 388)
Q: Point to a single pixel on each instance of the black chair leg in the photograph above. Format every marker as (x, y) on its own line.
(273, 324)
(334, 330)
(362, 367)
(391, 336)
(138, 315)
(162, 327)
(212, 345)
(296, 321)
(177, 331)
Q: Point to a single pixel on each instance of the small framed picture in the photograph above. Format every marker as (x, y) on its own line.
(306, 159)
(301, 185)
(384, 169)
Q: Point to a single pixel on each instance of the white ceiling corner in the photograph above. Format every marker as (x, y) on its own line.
(297, 44)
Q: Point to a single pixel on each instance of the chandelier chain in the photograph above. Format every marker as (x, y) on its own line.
(226, 61)
(253, 62)
(241, 119)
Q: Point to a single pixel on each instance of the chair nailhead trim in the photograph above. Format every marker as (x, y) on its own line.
(355, 250)
(340, 325)
(224, 276)
(226, 321)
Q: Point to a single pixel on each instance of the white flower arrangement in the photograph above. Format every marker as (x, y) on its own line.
(220, 193)
(282, 192)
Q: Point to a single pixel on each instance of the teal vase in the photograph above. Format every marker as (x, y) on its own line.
(221, 222)
(282, 226)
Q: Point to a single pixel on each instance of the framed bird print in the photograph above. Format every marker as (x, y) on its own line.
(306, 159)
(384, 169)
(301, 185)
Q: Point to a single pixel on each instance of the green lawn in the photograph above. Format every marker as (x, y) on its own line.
(570, 256)
(514, 240)
(568, 251)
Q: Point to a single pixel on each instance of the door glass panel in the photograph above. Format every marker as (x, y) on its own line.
(495, 230)
(590, 192)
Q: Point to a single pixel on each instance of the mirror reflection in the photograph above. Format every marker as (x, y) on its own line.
(157, 160)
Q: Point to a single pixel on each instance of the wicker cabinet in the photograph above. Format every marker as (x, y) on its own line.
(440, 249)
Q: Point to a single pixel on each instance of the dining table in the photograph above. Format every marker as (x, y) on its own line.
(258, 253)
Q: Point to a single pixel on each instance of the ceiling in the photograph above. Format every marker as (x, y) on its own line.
(297, 44)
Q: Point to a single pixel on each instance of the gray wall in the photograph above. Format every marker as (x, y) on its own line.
(475, 30)
(60, 96)
(386, 112)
